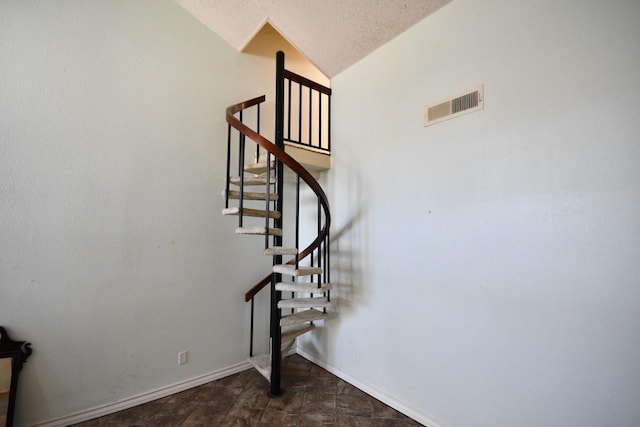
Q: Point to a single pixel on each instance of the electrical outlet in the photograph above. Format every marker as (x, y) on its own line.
(182, 357)
(357, 356)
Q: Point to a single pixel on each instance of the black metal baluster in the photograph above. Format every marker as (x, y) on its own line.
(326, 269)
(226, 190)
(310, 116)
(312, 277)
(241, 138)
(329, 123)
(258, 129)
(268, 197)
(297, 242)
(328, 273)
(319, 219)
(241, 202)
(251, 334)
(289, 110)
(300, 112)
(326, 260)
(319, 119)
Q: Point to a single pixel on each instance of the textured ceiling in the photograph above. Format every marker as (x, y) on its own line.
(333, 34)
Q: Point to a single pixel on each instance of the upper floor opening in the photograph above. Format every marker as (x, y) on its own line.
(307, 137)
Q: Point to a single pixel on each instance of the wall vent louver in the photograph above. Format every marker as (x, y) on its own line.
(465, 103)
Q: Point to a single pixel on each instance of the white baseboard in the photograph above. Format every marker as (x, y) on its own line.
(110, 408)
(382, 396)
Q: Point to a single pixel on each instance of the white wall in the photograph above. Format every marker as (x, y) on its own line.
(114, 255)
(488, 267)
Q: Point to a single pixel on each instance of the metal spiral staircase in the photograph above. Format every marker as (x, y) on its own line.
(255, 194)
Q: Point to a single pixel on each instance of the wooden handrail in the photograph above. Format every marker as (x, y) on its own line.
(294, 166)
(243, 106)
(306, 82)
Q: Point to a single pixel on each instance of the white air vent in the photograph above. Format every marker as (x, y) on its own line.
(449, 108)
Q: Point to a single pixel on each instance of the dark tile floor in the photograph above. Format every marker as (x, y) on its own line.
(312, 397)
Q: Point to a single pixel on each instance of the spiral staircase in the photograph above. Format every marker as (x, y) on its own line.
(299, 283)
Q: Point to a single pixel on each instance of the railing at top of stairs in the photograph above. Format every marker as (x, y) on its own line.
(306, 123)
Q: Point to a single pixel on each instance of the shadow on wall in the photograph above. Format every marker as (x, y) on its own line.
(349, 253)
(347, 273)
(349, 238)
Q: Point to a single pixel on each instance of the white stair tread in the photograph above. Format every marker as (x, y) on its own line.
(308, 288)
(260, 167)
(280, 250)
(251, 180)
(260, 213)
(259, 231)
(301, 317)
(291, 270)
(251, 195)
(304, 302)
(262, 363)
(289, 333)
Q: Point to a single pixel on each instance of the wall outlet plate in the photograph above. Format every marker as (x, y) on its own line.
(182, 357)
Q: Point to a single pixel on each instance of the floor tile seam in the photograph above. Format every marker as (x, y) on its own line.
(223, 414)
(188, 415)
(162, 405)
(276, 410)
(261, 415)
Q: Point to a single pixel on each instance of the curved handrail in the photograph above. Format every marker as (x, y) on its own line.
(294, 166)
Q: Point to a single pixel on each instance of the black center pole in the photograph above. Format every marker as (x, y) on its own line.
(276, 335)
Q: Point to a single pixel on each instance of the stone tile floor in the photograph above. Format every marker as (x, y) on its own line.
(312, 397)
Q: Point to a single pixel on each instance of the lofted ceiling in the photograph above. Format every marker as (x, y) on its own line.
(332, 34)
